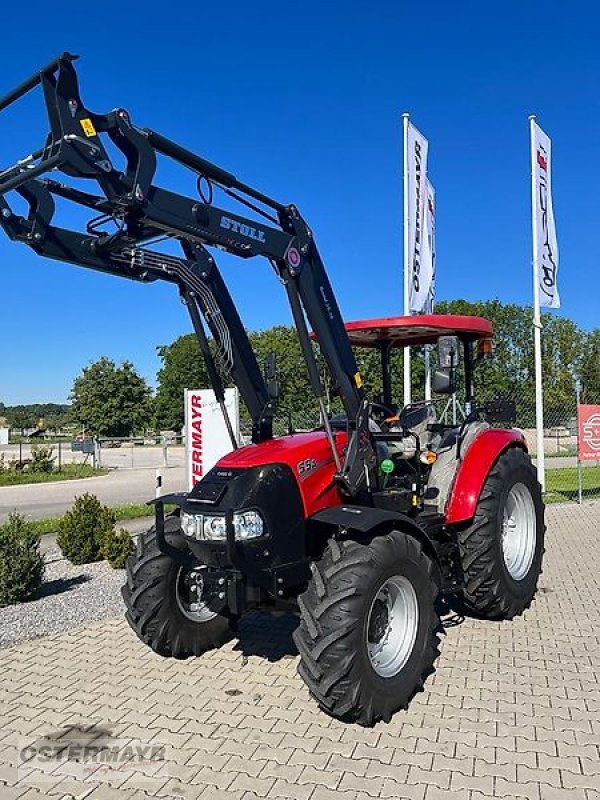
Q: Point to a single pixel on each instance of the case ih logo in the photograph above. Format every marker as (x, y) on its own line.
(589, 433)
(542, 161)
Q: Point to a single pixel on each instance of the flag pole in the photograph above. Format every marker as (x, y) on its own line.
(407, 382)
(537, 322)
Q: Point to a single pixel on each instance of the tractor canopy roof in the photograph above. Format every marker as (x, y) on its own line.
(416, 330)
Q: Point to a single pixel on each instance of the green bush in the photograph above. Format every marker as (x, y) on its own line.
(42, 458)
(21, 563)
(117, 546)
(82, 530)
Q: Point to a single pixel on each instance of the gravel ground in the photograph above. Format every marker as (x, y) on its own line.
(70, 596)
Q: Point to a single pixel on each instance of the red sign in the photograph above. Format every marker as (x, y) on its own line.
(588, 420)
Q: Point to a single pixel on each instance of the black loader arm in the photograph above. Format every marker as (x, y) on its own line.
(130, 214)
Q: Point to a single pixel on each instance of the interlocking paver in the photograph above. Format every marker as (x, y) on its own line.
(511, 712)
(391, 788)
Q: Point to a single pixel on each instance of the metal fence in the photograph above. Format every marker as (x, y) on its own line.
(113, 453)
(567, 479)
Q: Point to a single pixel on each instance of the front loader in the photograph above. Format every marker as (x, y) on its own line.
(359, 526)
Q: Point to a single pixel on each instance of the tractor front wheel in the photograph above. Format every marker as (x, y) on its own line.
(501, 551)
(164, 600)
(368, 633)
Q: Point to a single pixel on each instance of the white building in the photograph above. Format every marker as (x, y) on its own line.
(3, 436)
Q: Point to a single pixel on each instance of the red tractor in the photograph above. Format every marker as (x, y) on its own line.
(359, 526)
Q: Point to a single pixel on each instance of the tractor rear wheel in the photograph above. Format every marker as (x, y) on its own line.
(501, 551)
(368, 634)
(164, 600)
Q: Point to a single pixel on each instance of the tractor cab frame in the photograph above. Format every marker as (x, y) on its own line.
(444, 330)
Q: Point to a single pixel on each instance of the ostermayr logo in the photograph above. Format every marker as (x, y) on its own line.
(86, 754)
(416, 256)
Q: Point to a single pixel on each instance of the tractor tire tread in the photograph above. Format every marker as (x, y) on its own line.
(327, 655)
(484, 591)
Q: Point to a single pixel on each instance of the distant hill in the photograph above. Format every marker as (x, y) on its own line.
(54, 415)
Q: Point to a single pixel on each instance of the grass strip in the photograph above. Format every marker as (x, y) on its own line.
(68, 472)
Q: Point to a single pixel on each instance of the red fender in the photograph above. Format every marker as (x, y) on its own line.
(474, 469)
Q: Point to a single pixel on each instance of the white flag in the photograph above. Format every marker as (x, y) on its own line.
(419, 256)
(545, 255)
(430, 241)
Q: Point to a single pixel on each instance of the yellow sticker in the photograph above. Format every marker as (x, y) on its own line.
(88, 127)
(358, 380)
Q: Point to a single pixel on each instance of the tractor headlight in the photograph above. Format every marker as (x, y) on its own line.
(191, 525)
(246, 525)
(215, 529)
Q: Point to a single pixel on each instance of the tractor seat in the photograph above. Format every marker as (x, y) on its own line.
(416, 418)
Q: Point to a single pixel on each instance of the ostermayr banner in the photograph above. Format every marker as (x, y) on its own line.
(546, 244)
(206, 436)
(420, 262)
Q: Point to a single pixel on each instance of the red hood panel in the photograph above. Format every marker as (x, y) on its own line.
(309, 457)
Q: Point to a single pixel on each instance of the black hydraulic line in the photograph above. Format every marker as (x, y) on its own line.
(313, 370)
(207, 168)
(34, 80)
(29, 174)
(213, 374)
(304, 337)
(191, 160)
(248, 204)
(77, 195)
(17, 168)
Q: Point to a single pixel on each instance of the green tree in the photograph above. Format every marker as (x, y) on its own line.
(589, 370)
(182, 368)
(111, 400)
(567, 352)
(296, 393)
(512, 371)
(54, 415)
(21, 563)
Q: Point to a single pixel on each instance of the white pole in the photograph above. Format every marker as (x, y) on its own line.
(407, 387)
(579, 470)
(537, 324)
(427, 372)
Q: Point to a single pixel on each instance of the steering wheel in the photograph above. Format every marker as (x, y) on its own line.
(383, 411)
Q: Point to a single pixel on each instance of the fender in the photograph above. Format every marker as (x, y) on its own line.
(365, 519)
(474, 469)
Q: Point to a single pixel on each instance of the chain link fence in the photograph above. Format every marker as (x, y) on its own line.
(567, 478)
(109, 453)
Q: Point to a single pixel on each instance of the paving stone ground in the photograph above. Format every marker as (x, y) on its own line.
(513, 709)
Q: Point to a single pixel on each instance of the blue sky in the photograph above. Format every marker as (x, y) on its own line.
(304, 101)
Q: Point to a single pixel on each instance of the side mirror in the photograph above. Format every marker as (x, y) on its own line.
(270, 370)
(443, 381)
(448, 351)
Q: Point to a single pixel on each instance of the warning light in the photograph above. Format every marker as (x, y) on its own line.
(485, 348)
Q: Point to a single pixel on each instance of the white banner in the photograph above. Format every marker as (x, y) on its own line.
(545, 255)
(419, 256)
(206, 437)
(430, 241)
